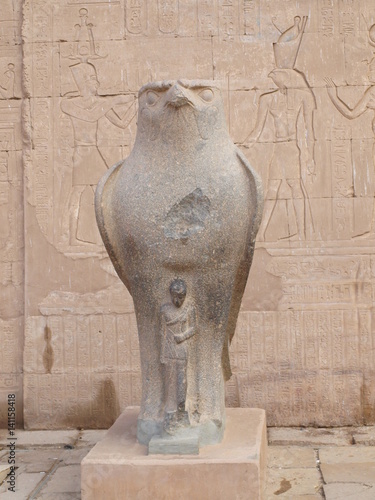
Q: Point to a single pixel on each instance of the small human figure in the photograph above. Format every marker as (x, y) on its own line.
(366, 103)
(178, 325)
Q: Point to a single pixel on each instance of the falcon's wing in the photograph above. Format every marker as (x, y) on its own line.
(256, 193)
(103, 196)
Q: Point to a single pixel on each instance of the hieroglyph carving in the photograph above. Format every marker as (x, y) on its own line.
(7, 83)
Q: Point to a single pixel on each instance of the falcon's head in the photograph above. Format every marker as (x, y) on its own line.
(171, 110)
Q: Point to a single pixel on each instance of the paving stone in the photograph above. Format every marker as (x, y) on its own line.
(25, 485)
(38, 460)
(90, 437)
(349, 472)
(291, 457)
(309, 436)
(347, 454)
(348, 465)
(293, 483)
(364, 435)
(27, 439)
(64, 483)
(349, 491)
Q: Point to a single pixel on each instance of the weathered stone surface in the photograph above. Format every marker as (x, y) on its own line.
(46, 458)
(65, 483)
(183, 251)
(364, 435)
(309, 436)
(26, 484)
(344, 455)
(295, 484)
(11, 210)
(348, 472)
(118, 466)
(304, 343)
(349, 491)
(172, 445)
(291, 457)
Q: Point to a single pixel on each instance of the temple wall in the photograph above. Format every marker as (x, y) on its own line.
(299, 95)
(11, 209)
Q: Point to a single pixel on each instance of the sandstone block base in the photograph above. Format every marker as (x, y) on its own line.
(118, 467)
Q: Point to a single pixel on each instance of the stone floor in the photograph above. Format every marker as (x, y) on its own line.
(305, 464)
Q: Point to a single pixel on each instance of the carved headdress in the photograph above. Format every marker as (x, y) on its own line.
(287, 47)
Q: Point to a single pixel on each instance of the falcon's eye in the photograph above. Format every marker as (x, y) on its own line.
(207, 95)
(152, 98)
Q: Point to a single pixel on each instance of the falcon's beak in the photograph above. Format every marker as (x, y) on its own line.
(177, 97)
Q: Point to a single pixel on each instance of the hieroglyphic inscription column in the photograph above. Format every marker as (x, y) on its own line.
(11, 209)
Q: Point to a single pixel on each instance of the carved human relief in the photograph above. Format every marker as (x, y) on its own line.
(364, 104)
(85, 110)
(283, 107)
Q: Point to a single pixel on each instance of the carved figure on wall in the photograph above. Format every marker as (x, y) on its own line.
(178, 326)
(284, 107)
(85, 111)
(88, 163)
(195, 229)
(7, 83)
(367, 102)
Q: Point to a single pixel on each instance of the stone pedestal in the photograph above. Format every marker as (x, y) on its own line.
(118, 467)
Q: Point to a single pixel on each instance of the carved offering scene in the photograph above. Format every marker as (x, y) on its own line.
(287, 87)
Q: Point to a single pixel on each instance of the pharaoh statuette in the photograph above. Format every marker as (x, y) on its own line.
(179, 218)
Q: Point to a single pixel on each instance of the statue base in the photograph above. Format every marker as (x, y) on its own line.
(119, 467)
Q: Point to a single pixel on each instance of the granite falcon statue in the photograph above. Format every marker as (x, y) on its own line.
(179, 218)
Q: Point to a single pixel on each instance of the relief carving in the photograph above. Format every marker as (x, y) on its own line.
(85, 111)
(88, 163)
(303, 347)
(294, 98)
(366, 103)
(206, 18)
(7, 83)
(136, 16)
(168, 15)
